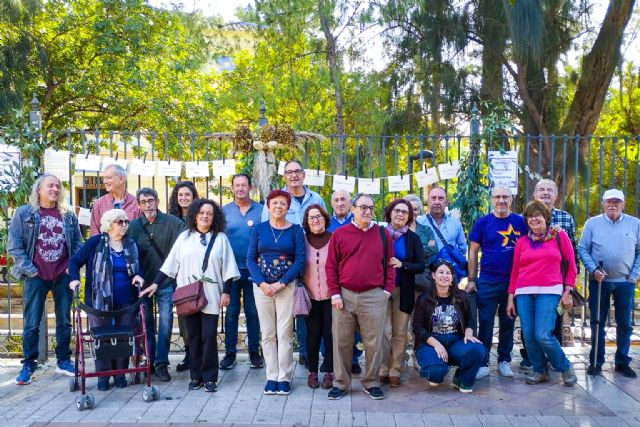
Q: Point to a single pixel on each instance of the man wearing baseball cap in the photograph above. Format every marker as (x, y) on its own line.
(610, 250)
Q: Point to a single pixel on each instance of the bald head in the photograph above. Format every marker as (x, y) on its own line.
(437, 202)
(340, 203)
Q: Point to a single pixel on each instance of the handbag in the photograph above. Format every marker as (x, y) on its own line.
(301, 300)
(451, 254)
(424, 281)
(578, 299)
(190, 299)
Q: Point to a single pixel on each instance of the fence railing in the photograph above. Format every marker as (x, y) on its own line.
(583, 168)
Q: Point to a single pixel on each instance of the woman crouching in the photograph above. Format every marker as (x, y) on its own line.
(443, 328)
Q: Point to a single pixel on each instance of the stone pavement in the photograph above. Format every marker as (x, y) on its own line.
(610, 400)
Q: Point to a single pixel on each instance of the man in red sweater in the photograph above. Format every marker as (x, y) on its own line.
(360, 281)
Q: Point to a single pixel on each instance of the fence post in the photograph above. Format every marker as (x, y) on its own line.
(35, 120)
(262, 120)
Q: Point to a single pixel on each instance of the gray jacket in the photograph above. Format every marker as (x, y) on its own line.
(23, 236)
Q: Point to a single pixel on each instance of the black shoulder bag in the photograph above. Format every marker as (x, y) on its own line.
(578, 299)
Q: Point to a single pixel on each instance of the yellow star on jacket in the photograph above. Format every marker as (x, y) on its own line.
(509, 235)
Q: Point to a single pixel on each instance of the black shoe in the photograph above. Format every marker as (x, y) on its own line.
(120, 381)
(594, 370)
(228, 362)
(374, 392)
(626, 371)
(210, 387)
(184, 364)
(162, 373)
(256, 360)
(356, 369)
(196, 384)
(302, 360)
(335, 393)
(103, 383)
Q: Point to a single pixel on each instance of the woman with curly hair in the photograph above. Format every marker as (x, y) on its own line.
(205, 223)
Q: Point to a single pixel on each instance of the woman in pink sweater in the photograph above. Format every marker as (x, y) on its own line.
(538, 286)
(318, 321)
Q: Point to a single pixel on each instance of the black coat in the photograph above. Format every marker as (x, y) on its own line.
(425, 307)
(413, 264)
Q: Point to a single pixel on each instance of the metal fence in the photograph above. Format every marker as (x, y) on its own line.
(583, 168)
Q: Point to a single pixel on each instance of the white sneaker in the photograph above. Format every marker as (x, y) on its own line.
(483, 372)
(504, 368)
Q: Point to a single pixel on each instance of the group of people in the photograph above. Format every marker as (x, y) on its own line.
(369, 282)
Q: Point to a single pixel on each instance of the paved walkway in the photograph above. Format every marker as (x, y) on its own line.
(610, 400)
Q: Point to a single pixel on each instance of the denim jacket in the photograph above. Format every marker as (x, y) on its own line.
(23, 236)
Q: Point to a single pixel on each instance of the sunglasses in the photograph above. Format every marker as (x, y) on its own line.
(122, 222)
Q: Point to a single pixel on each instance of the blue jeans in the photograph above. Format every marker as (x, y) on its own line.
(301, 332)
(622, 293)
(244, 286)
(468, 357)
(34, 296)
(356, 351)
(538, 318)
(492, 297)
(159, 353)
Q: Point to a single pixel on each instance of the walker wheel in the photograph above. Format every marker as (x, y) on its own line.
(155, 392)
(80, 403)
(90, 401)
(73, 386)
(147, 394)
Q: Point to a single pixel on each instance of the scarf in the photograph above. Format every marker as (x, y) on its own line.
(396, 234)
(102, 291)
(319, 241)
(539, 238)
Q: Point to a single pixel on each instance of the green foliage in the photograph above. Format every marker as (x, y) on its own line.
(31, 146)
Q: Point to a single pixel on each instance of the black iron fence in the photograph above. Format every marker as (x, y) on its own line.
(582, 167)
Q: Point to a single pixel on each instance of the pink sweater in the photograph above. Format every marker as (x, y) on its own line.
(315, 276)
(539, 265)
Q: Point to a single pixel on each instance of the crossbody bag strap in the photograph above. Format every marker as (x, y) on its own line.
(563, 262)
(151, 240)
(437, 230)
(383, 237)
(208, 252)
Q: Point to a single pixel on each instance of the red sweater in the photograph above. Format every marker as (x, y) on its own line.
(540, 265)
(354, 261)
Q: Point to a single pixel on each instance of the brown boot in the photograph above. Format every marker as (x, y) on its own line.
(312, 380)
(394, 381)
(327, 380)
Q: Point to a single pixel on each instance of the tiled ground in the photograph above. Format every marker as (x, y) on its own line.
(609, 401)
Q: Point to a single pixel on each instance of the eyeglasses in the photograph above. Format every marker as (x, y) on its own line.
(316, 218)
(147, 202)
(122, 222)
(400, 212)
(364, 208)
(293, 172)
(205, 213)
(445, 262)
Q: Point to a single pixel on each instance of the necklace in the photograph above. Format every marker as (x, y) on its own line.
(274, 234)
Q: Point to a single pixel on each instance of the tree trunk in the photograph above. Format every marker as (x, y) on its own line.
(596, 71)
(494, 37)
(336, 79)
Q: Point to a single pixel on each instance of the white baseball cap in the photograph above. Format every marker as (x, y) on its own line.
(613, 194)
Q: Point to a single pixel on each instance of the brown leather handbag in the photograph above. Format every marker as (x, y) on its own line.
(190, 299)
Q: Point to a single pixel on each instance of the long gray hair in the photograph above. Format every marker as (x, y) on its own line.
(34, 197)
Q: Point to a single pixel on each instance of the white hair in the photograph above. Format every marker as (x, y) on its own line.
(547, 182)
(109, 217)
(501, 187)
(118, 170)
(415, 198)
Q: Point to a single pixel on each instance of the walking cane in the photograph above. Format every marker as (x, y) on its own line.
(599, 297)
